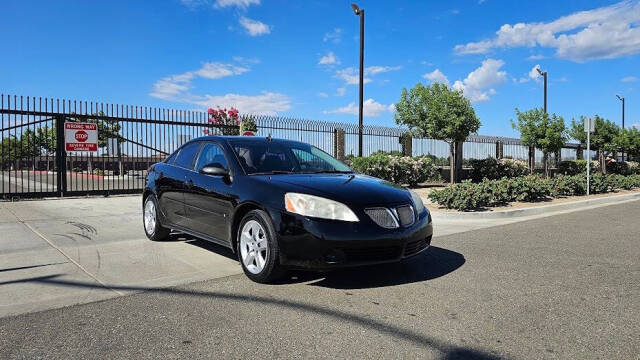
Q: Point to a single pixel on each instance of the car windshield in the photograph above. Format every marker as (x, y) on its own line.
(274, 157)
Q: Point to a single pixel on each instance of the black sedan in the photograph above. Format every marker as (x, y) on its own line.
(282, 204)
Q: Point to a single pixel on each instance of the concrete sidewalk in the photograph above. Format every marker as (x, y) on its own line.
(97, 240)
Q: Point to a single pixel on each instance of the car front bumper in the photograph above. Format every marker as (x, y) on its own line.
(325, 244)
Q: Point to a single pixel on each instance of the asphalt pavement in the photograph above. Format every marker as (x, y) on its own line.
(565, 286)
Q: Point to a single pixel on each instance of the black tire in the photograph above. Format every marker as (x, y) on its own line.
(159, 232)
(272, 269)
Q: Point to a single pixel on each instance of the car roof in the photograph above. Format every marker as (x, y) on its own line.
(257, 139)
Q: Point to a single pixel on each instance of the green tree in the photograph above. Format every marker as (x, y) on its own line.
(541, 131)
(603, 139)
(107, 128)
(629, 140)
(438, 112)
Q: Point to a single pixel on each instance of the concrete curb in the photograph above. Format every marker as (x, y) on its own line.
(506, 214)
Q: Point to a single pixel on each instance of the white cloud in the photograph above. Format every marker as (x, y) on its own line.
(178, 88)
(536, 57)
(478, 85)
(534, 74)
(370, 108)
(373, 70)
(323, 95)
(254, 27)
(335, 35)
(436, 76)
(266, 103)
(629, 79)
(603, 33)
(329, 59)
(341, 91)
(350, 76)
(173, 85)
(243, 4)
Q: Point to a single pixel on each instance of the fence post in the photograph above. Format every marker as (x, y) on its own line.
(499, 149)
(338, 144)
(407, 145)
(532, 159)
(61, 157)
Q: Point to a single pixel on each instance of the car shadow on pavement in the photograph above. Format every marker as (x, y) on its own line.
(447, 350)
(210, 246)
(431, 264)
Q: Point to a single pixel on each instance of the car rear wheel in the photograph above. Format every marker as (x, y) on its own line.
(151, 221)
(258, 249)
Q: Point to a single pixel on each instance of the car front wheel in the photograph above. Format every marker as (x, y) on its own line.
(258, 249)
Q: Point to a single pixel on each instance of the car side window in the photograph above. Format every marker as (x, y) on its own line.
(211, 153)
(187, 155)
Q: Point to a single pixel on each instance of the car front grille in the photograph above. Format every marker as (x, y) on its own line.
(405, 215)
(380, 253)
(392, 218)
(383, 217)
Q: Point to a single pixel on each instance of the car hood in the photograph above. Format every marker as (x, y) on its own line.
(352, 189)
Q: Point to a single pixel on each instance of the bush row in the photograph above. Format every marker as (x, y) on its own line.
(397, 169)
(575, 167)
(489, 193)
(494, 169)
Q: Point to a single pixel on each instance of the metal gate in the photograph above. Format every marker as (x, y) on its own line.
(34, 163)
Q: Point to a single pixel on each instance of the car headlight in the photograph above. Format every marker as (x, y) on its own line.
(417, 202)
(318, 207)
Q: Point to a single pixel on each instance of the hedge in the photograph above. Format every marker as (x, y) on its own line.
(470, 196)
(494, 169)
(397, 169)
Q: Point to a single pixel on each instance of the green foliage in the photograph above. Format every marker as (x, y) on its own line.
(629, 140)
(530, 188)
(436, 111)
(397, 169)
(599, 184)
(604, 136)
(107, 128)
(493, 169)
(538, 129)
(569, 185)
(575, 167)
(248, 123)
(464, 196)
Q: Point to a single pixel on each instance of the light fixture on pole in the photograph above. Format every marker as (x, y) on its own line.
(360, 12)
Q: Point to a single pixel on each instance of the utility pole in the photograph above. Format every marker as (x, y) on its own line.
(544, 74)
(622, 99)
(360, 12)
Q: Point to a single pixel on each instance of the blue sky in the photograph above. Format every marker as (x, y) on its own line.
(300, 58)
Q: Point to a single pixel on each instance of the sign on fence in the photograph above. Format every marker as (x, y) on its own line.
(80, 136)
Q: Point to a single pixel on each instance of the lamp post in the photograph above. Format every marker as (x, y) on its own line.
(544, 74)
(360, 12)
(622, 99)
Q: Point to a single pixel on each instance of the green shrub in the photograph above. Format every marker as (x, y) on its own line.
(599, 184)
(622, 167)
(494, 169)
(531, 188)
(629, 182)
(564, 185)
(463, 196)
(575, 167)
(397, 169)
(634, 167)
(497, 192)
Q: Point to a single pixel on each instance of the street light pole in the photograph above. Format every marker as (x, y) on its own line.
(544, 74)
(622, 99)
(360, 12)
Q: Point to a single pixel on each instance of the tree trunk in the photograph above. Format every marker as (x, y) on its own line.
(545, 159)
(452, 169)
(458, 165)
(602, 161)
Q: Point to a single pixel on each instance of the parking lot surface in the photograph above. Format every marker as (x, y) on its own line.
(565, 286)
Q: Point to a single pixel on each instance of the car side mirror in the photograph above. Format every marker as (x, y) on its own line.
(214, 169)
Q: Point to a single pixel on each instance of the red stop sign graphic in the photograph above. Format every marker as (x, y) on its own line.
(82, 136)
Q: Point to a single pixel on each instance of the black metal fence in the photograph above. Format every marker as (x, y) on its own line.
(34, 163)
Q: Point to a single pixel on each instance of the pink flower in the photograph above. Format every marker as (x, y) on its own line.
(211, 111)
(206, 131)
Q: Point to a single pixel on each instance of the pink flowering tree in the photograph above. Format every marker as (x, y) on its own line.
(225, 121)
